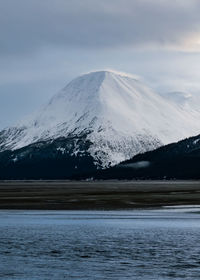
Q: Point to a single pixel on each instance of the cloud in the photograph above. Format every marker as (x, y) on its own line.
(46, 43)
(27, 26)
(136, 165)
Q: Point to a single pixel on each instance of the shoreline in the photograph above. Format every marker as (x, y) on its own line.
(97, 195)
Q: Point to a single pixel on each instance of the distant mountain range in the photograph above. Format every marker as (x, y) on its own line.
(97, 121)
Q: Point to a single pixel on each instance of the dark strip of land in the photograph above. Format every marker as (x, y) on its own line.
(99, 195)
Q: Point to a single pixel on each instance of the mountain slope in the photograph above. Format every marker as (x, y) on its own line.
(51, 159)
(179, 160)
(116, 113)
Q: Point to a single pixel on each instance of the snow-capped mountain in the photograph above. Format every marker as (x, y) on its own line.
(115, 112)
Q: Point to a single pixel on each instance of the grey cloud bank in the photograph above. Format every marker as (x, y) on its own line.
(44, 44)
(30, 25)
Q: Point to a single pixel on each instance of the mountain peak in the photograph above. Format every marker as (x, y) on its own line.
(95, 88)
(109, 73)
(117, 114)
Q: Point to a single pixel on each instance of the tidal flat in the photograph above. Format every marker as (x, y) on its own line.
(97, 195)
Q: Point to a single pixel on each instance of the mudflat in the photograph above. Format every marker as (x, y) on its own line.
(97, 195)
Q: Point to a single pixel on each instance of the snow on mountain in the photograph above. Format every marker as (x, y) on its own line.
(185, 102)
(120, 116)
(180, 160)
(179, 98)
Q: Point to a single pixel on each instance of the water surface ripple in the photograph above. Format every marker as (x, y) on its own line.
(153, 244)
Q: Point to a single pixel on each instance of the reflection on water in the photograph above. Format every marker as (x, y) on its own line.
(154, 244)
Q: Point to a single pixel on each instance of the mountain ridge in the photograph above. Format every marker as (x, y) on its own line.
(180, 160)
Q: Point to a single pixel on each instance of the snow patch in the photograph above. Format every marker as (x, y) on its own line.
(62, 150)
(196, 141)
(15, 159)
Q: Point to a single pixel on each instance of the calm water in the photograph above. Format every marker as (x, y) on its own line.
(100, 245)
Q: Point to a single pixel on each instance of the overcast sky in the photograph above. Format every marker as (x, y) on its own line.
(46, 43)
